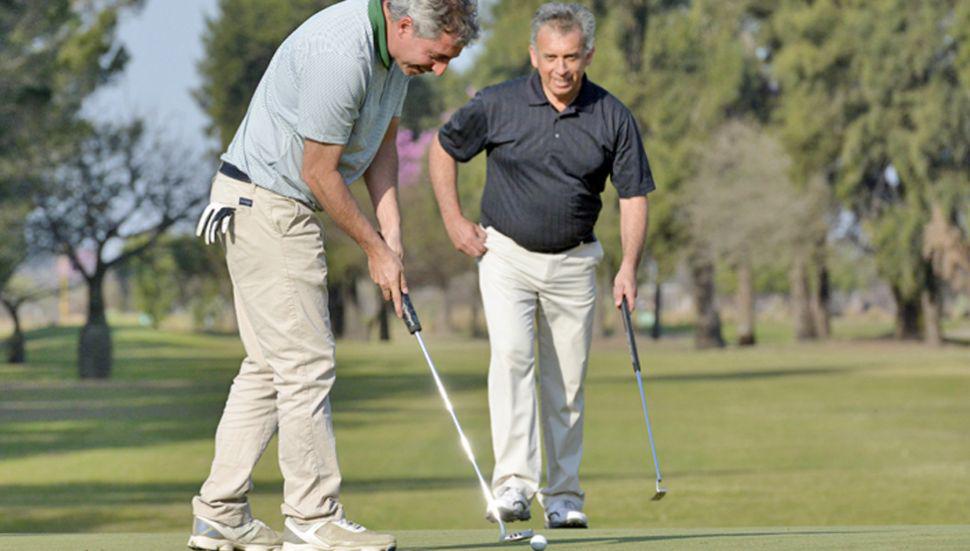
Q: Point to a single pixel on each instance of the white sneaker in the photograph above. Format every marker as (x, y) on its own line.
(210, 535)
(566, 514)
(512, 506)
(334, 535)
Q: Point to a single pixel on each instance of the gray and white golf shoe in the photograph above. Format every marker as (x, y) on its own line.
(209, 535)
(565, 514)
(512, 506)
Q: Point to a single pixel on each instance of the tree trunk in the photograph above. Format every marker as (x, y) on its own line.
(384, 327)
(335, 304)
(932, 304)
(820, 295)
(446, 319)
(475, 329)
(800, 299)
(602, 324)
(657, 330)
(707, 333)
(745, 299)
(16, 349)
(94, 347)
(908, 310)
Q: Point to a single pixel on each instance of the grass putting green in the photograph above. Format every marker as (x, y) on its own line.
(775, 539)
(844, 433)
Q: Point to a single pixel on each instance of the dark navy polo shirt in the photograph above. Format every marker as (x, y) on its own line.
(546, 169)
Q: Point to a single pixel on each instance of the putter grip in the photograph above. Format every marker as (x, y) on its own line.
(628, 325)
(410, 316)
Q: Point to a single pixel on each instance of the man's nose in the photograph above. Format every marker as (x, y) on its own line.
(439, 68)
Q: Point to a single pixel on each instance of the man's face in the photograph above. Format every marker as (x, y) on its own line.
(561, 62)
(416, 55)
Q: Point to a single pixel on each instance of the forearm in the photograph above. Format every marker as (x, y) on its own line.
(331, 192)
(381, 180)
(634, 219)
(443, 171)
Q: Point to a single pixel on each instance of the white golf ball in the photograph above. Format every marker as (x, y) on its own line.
(538, 542)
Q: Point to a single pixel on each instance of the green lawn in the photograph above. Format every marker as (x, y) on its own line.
(771, 538)
(845, 433)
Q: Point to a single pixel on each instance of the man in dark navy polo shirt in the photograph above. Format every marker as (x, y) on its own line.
(552, 140)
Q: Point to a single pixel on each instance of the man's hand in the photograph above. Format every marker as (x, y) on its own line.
(387, 271)
(634, 214)
(467, 236)
(625, 287)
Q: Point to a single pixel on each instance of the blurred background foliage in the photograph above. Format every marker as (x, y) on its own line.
(810, 150)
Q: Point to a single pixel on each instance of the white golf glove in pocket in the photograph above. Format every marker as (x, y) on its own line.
(215, 220)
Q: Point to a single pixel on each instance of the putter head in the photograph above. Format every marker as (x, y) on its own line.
(661, 492)
(518, 536)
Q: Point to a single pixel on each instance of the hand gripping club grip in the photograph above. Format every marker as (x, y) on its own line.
(628, 325)
(410, 316)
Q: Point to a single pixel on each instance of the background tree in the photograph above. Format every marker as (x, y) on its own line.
(154, 274)
(20, 290)
(239, 43)
(686, 67)
(748, 209)
(13, 251)
(116, 184)
(53, 55)
(874, 100)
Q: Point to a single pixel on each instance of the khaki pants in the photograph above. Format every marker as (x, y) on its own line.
(549, 297)
(276, 259)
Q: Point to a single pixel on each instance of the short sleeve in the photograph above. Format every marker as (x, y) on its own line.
(630, 173)
(332, 88)
(404, 94)
(466, 133)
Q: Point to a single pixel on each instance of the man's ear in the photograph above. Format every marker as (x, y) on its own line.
(404, 25)
(534, 57)
(589, 55)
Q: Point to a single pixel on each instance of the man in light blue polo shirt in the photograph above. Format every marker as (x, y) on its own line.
(324, 114)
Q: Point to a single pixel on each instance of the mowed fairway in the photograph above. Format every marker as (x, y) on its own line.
(866, 434)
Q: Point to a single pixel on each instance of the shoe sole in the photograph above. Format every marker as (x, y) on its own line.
(574, 525)
(312, 547)
(203, 543)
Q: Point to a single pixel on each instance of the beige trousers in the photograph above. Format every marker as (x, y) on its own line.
(276, 259)
(527, 297)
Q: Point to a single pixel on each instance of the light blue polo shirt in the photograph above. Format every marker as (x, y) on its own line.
(325, 83)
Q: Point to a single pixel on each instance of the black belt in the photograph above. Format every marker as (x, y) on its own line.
(233, 172)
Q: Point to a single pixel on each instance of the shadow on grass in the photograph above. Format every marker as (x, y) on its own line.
(953, 341)
(83, 499)
(617, 540)
(38, 418)
(739, 375)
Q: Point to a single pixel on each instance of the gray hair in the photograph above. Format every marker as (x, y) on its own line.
(564, 18)
(433, 17)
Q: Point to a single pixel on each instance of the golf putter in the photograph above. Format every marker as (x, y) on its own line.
(414, 327)
(661, 491)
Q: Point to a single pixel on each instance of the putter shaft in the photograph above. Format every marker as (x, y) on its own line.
(635, 358)
(414, 326)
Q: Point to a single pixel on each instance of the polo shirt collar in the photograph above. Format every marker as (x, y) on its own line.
(375, 11)
(537, 96)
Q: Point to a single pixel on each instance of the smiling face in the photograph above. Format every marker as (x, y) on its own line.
(561, 62)
(416, 55)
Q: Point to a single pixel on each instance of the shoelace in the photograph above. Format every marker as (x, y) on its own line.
(350, 525)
